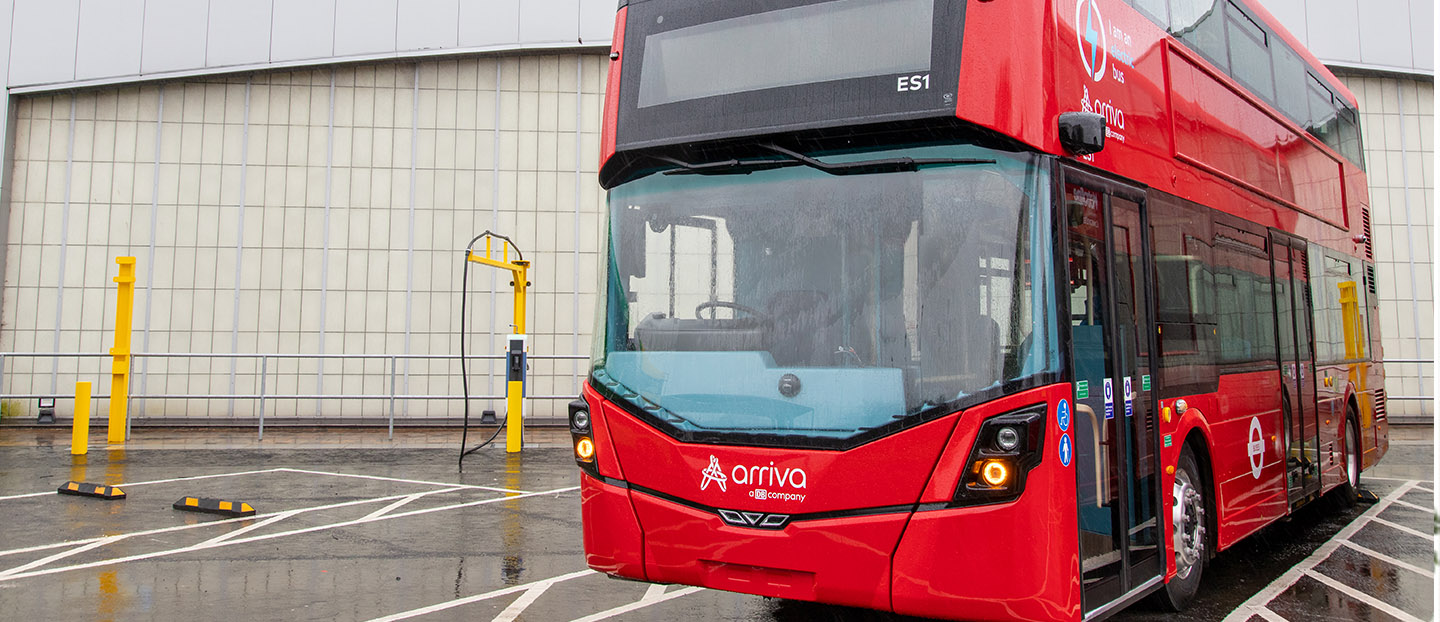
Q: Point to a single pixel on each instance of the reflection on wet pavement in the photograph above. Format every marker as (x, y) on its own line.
(359, 535)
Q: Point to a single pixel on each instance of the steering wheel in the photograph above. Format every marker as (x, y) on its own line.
(720, 304)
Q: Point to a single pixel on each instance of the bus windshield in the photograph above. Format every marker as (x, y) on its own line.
(793, 302)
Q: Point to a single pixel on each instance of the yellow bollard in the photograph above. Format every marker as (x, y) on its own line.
(120, 366)
(80, 427)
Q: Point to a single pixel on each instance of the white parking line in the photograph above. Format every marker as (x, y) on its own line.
(1255, 604)
(652, 597)
(246, 529)
(1412, 505)
(1270, 615)
(404, 615)
(281, 534)
(521, 604)
(226, 521)
(1413, 532)
(1397, 479)
(158, 481)
(390, 508)
(1388, 559)
(62, 555)
(406, 481)
(1362, 597)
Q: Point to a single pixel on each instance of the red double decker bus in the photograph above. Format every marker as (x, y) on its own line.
(973, 310)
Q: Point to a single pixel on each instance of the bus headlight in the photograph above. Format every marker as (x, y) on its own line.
(585, 450)
(1007, 447)
(582, 438)
(995, 473)
(1007, 439)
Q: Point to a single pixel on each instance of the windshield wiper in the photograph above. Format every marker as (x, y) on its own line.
(726, 167)
(868, 167)
(795, 158)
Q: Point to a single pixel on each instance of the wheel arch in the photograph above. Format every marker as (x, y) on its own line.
(1198, 443)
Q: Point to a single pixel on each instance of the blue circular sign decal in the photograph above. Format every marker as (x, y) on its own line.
(1066, 451)
(1062, 415)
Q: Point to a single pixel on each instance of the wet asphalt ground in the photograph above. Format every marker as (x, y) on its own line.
(381, 531)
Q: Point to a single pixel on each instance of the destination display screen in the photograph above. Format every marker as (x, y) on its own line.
(694, 71)
(816, 43)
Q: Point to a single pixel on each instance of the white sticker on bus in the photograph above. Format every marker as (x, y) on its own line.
(1109, 399)
(1256, 447)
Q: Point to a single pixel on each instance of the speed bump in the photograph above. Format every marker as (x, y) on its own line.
(214, 506)
(98, 491)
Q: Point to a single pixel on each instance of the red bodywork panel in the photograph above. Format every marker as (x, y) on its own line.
(935, 562)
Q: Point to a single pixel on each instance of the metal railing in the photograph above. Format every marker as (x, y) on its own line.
(263, 395)
(1410, 398)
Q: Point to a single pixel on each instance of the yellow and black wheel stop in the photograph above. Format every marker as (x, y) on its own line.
(98, 491)
(215, 506)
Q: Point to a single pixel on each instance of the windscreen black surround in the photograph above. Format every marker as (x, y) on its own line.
(697, 71)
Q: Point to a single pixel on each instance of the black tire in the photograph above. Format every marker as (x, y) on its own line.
(1350, 488)
(1190, 534)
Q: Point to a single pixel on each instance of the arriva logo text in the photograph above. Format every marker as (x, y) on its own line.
(764, 478)
(768, 476)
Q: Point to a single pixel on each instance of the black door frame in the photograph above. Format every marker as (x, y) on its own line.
(1131, 588)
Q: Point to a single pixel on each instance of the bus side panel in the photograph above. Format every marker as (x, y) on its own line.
(1333, 402)
(1246, 411)
(614, 543)
(843, 561)
(1375, 428)
(1011, 561)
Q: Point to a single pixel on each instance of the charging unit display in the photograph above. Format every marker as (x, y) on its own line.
(516, 350)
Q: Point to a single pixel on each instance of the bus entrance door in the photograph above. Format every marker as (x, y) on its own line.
(1112, 331)
(1297, 366)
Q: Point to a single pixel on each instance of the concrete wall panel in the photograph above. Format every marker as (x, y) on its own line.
(111, 37)
(42, 41)
(174, 35)
(428, 25)
(1331, 24)
(365, 27)
(1422, 33)
(239, 33)
(489, 22)
(549, 21)
(1381, 42)
(597, 20)
(302, 30)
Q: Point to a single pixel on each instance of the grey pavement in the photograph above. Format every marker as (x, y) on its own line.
(371, 528)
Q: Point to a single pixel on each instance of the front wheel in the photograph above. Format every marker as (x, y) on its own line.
(1187, 517)
(1351, 487)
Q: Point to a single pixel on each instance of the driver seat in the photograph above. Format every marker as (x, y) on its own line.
(802, 328)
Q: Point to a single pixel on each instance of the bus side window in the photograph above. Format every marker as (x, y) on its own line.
(1245, 296)
(1184, 296)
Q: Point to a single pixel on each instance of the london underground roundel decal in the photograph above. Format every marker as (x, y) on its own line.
(1090, 35)
(1256, 448)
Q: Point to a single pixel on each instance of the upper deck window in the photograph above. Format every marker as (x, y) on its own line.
(803, 45)
(1230, 37)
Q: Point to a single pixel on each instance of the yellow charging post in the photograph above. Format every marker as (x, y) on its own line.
(120, 366)
(516, 349)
